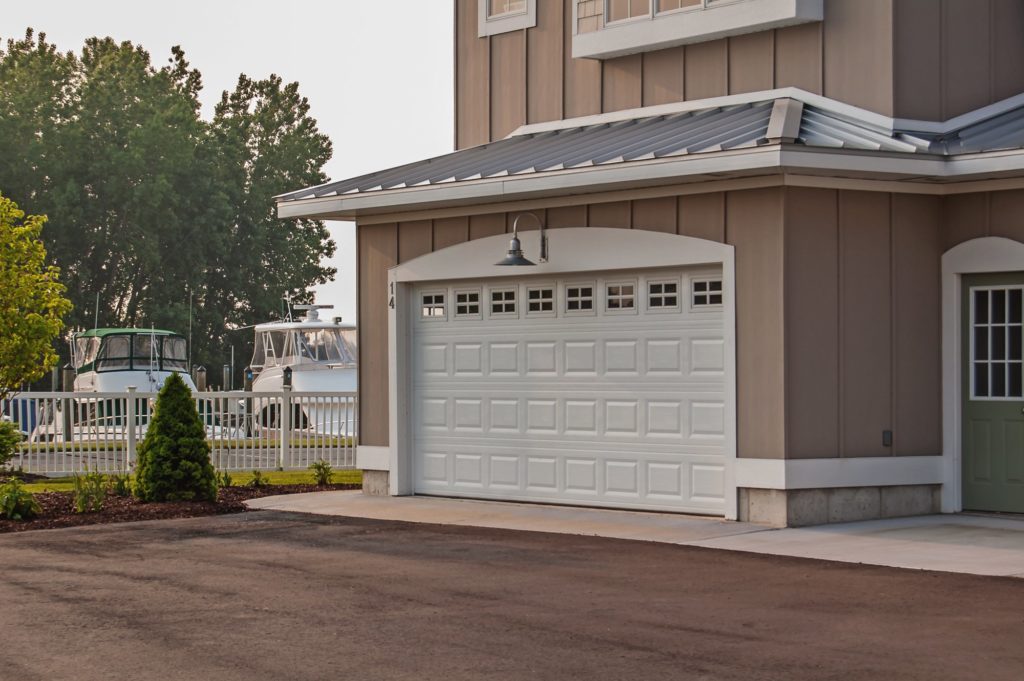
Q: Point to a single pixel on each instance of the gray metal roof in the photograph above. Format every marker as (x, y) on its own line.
(720, 128)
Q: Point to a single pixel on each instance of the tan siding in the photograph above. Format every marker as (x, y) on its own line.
(582, 89)
(508, 73)
(544, 64)
(865, 323)
(702, 216)
(751, 65)
(798, 57)
(965, 62)
(1006, 214)
(378, 250)
(414, 239)
(858, 53)
(450, 231)
(917, 360)
(965, 216)
(917, 76)
(812, 324)
(658, 215)
(1008, 48)
(486, 225)
(755, 228)
(472, 115)
(614, 214)
(707, 69)
(663, 76)
(567, 216)
(622, 83)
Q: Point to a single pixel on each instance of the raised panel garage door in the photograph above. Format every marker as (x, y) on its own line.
(593, 390)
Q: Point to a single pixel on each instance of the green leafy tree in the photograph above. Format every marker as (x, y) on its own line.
(174, 457)
(149, 204)
(32, 302)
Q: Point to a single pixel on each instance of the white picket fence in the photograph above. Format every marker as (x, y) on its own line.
(66, 433)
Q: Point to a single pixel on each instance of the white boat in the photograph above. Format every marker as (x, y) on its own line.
(320, 356)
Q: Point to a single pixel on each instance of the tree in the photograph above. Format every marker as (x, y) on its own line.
(32, 302)
(150, 205)
(174, 457)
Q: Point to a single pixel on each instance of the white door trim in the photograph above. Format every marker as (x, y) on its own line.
(572, 250)
(985, 254)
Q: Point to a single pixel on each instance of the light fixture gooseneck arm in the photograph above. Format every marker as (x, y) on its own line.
(543, 234)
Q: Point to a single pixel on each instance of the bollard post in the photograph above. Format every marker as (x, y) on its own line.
(130, 419)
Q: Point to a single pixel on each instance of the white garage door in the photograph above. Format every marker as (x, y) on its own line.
(600, 390)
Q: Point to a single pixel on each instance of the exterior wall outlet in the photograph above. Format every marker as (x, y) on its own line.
(887, 438)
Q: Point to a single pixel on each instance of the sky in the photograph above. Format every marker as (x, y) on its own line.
(378, 75)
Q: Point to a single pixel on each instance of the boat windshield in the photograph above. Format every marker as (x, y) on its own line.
(85, 350)
(175, 354)
(324, 345)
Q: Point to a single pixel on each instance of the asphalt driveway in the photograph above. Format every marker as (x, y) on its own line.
(277, 596)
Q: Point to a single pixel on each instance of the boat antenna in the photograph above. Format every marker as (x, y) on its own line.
(96, 323)
(288, 306)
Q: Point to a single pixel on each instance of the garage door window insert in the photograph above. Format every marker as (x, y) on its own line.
(433, 306)
(467, 304)
(663, 295)
(540, 301)
(620, 297)
(503, 302)
(707, 292)
(579, 299)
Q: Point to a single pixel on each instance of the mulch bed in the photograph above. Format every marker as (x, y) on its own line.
(59, 511)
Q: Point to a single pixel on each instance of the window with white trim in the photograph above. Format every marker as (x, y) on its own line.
(579, 298)
(997, 346)
(540, 301)
(503, 16)
(503, 302)
(663, 294)
(706, 292)
(467, 304)
(620, 296)
(432, 306)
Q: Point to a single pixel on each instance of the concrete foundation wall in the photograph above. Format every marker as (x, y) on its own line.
(800, 507)
(376, 483)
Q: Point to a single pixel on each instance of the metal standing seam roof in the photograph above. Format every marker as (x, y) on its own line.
(644, 138)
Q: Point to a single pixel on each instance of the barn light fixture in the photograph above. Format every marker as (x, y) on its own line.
(515, 250)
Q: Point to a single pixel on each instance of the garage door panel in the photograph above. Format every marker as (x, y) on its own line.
(621, 407)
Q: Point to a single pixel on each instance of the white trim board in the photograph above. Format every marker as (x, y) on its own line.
(874, 471)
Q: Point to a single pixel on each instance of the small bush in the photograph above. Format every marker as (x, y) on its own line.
(10, 437)
(258, 480)
(90, 492)
(174, 457)
(120, 485)
(322, 472)
(224, 479)
(16, 502)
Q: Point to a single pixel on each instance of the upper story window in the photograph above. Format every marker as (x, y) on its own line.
(502, 16)
(612, 28)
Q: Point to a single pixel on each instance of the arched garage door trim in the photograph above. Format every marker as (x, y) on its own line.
(574, 250)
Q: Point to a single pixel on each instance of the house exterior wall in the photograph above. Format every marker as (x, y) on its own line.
(904, 58)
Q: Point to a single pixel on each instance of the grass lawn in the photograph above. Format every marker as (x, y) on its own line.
(238, 478)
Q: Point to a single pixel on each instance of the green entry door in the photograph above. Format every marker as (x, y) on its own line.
(993, 426)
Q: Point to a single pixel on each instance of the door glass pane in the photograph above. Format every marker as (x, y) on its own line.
(980, 379)
(981, 307)
(998, 379)
(1015, 380)
(998, 307)
(1015, 306)
(981, 342)
(998, 343)
(1014, 343)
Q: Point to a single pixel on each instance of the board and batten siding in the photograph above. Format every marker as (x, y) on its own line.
(927, 59)
(838, 306)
